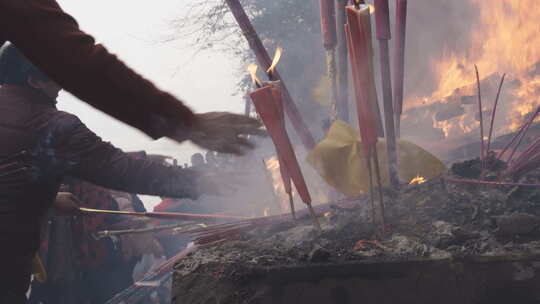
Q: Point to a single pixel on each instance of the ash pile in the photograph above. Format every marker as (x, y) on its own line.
(437, 230)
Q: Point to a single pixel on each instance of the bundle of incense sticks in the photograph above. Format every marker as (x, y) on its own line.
(328, 23)
(107, 233)
(382, 20)
(358, 31)
(343, 61)
(137, 292)
(224, 232)
(265, 61)
(268, 103)
(359, 43)
(285, 176)
(164, 215)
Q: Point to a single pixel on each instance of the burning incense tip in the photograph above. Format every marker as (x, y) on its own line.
(417, 180)
(252, 69)
(275, 61)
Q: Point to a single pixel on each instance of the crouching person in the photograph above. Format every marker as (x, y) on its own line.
(39, 146)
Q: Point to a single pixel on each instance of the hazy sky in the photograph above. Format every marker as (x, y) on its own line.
(134, 30)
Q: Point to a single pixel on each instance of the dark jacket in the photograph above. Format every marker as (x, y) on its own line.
(59, 144)
(52, 40)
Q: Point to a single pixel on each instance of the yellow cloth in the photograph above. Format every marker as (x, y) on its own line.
(339, 159)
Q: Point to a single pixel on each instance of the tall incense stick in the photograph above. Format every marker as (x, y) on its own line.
(328, 29)
(399, 61)
(482, 144)
(342, 56)
(382, 18)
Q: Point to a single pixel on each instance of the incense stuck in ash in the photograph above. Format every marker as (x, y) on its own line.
(358, 32)
(382, 19)
(268, 103)
(284, 172)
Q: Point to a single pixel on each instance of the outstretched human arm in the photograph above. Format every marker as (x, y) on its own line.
(101, 163)
(52, 40)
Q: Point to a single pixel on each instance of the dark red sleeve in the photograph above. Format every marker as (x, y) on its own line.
(52, 40)
(89, 158)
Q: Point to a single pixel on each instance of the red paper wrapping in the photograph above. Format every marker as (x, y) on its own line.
(285, 177)
(268, 103)
(382, 19)
(328, 23)
(399, 55)
(358, 40)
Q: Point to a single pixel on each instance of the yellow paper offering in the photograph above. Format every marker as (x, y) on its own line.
(340, 160)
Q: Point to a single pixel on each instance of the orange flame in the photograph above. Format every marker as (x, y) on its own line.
(417, 180)
(505, 41)
(275, 61)
(252, 69)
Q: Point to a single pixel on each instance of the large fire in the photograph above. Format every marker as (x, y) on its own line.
(505, 40)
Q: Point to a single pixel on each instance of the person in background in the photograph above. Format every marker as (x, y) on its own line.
(81, 268)
(211, 159)
(197, 161)
(39, 146)
(52, 40)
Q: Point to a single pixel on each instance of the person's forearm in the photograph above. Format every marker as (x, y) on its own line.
(51, 39)
(124, 173)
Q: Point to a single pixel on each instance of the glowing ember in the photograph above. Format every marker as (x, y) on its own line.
(252, 69)
(275, 61)
(328, 214)
(417, 180)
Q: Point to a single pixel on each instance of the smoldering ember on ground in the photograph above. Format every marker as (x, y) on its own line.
(402, 162)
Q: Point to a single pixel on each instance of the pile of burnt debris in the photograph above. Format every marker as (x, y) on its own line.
(438, 220)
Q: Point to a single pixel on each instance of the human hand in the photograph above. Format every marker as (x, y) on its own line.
(222, 132)
(67, 204)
